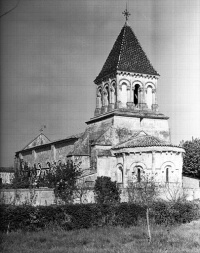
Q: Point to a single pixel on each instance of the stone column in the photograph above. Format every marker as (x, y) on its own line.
(131, 95)
(154, 104)
(104, 107)
(115, 96)
(140, 97)
(130, 101)
(111, 105)
(153, 96)
(118, 102)
(144, 95)
(98, 105)
(142, 103)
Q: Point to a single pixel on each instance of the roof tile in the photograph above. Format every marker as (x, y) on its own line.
(127, 55)
(143, 141)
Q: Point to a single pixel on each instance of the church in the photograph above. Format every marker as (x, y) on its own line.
(127, 136)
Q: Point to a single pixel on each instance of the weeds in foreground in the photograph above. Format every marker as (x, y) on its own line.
(176, 239)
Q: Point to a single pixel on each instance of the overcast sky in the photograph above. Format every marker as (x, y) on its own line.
(52, 50)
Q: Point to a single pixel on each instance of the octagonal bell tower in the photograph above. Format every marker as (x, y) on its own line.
(127, 79)
(126, 89)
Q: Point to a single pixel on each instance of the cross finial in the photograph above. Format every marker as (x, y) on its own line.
(42, 128)
(126, 13)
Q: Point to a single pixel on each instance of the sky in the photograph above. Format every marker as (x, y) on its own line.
(52, 50)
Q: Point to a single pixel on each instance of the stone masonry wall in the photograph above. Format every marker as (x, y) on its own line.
(47, 153)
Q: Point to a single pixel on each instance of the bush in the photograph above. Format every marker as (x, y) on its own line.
(68, 217)
(29, 218)
(106, 191)
(191, 159)
(175, 213)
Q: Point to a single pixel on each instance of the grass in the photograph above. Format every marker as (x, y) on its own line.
(184, 238)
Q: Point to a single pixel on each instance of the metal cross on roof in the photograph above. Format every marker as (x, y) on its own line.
(42, 128)
(126, 13)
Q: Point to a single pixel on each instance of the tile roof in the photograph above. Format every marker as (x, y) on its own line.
(127, 55)
(142, 141)
(36, 143)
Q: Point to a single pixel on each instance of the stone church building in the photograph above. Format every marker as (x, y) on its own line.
(127, 136)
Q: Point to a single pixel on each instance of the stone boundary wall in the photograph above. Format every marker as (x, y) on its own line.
(192, 194)
(45, 196)
(36, 197)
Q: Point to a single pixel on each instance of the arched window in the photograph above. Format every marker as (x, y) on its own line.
(135, 94)
(113, 94)
(99, 98)
(139, 175)
(120, 175)
(105, 97)
(124, 94)
(108, 94)
(167, 175)
(149, 97)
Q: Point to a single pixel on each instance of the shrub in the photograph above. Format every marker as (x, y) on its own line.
(106, 191)
(191, 159)
(175, 213)
(68, 217)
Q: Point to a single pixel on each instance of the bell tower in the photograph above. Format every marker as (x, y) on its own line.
(126, 89)
(127, 79)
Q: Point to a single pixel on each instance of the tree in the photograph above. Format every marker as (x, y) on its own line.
(175, 192)
(64, 180)
(106, 191)
(21, 178)
(11, 9)
(191, 159)
(144, 192)
(81, 191)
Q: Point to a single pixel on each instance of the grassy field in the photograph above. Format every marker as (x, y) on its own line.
(184, 238)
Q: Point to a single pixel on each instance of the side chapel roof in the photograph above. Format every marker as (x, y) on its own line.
(143, 141)
(127, 55)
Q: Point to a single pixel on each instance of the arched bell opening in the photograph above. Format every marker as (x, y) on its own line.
(107, 96)
(99, 98)
(99, 101)
(138, 175)
(136, 94)
(113, 97)
(124, 95)
(149, 97)
(113, 94)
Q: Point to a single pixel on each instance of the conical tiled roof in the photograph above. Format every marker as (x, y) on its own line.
(127, 55)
